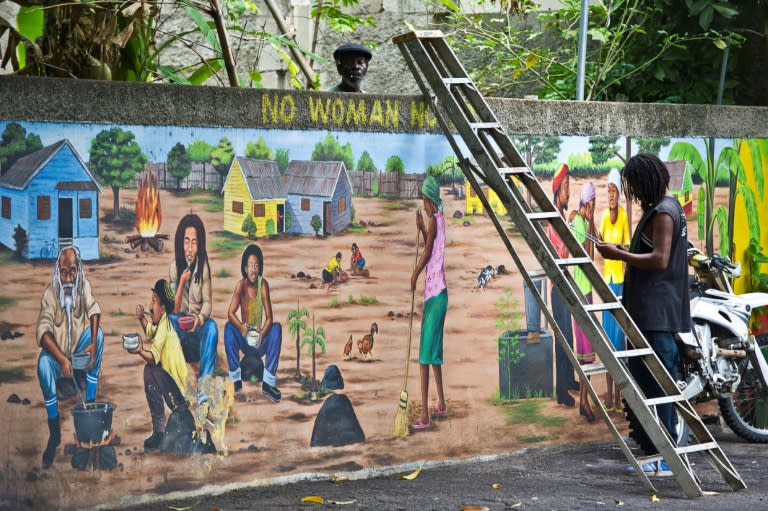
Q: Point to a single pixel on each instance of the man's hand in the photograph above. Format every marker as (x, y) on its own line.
(420, 220)
(414, 280)
(610, 251)
(91, 349)
(66, 367)
(244, 329)
(184, 278)
(139, 312)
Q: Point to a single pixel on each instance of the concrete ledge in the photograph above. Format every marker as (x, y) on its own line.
(66, 100)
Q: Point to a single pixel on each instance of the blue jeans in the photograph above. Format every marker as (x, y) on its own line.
(200, 345)
(663, 343)
(271, 344)
(49, 370)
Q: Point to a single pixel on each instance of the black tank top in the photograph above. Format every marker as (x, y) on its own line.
(658, 300)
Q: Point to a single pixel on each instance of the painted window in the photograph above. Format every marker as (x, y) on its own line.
(85, 208)
(259, 210)
(6, 207)
(342, 204)
(43, 207)
(305, 204)
(237, 207)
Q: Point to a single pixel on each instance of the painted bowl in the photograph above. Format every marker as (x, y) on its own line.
(253, 337)
(80, 360)
(131, 341)
(187, 322)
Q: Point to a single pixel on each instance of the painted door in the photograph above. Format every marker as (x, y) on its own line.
(280, 218)
(326, 217)
(65, 217)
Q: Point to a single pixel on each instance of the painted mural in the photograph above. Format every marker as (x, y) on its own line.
(191, 307)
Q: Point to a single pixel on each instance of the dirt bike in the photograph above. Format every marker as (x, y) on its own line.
(724, 355)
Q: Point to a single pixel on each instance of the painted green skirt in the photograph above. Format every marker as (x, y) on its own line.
(431, 346)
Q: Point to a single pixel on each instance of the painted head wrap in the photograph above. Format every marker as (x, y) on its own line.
(560, 175)
(431, 190)
(587, 194)
(614, 178)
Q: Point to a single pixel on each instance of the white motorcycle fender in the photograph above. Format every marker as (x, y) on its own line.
(721, 316)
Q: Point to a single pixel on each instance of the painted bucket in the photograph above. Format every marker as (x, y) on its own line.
(93, 422)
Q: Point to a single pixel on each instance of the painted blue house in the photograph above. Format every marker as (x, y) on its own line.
(320, 188)
(53, 196)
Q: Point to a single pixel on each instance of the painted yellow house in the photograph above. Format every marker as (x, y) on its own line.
(474, 206)
(254, 187)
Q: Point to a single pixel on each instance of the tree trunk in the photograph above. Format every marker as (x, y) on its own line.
(314, 374)
(116, 203)
(298, 355)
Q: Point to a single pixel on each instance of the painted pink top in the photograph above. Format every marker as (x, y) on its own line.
(434, 280)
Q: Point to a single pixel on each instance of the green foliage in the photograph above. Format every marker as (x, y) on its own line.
(179, 163)
(316, 223)
(200, 151)
(283, 158)
(20, 240)
(222, 156)
(602, 148)
(334, 303)
(116, 158)
(365, 163)
(222, 273)
(213, 203)
(314, 337)
(259, 150)
(16, 143)
(331, 12)
(329, 149)
(544, 149)
(652, 145)
(368, 300)
(228, 245)
(270, 226)
(507, 343)
(249, 226)
(394, 164)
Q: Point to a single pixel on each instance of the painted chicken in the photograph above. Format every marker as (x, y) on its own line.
(365, 345)
(348, 349)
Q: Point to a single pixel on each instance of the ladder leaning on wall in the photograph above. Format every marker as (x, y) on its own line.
(495, 161)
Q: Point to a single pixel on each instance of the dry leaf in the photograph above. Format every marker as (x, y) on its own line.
(516, 505)
(338, 479)
(497, 486)
(413, 475)
(472, 507)
(314, 499)
(654, 498)
(342, 502)
(184, 508)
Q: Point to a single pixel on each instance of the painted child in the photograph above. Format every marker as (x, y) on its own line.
(357, 261)
(435, 299)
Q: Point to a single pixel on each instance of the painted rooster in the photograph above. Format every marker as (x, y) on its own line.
(348, 349)
(365, 345)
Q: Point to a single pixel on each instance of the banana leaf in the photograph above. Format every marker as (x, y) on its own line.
(721, 215)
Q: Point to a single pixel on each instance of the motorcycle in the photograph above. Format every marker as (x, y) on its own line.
(724, 355)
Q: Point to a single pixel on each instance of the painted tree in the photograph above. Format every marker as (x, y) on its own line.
(259, 150)
(16, 143)
(283, 158)
(116, 158)
(365, 163)
(179, 163)
(200, 152)
(314, 337)
(222, 156)
(316, 223)
(296, 325)
(329, 149)
(543, 149)
(249, 226)
(652, 145)
(602, 148)
(394, 164)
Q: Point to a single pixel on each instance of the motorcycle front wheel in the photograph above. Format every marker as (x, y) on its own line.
(746, 410)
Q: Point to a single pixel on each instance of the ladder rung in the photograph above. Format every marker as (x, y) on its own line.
(512, 170)
(639, 352)
(707, 446)
(596, 307)
(573, 261)
(484, 125)
(545, 215)
(595, 368)
(457, 81)
(665, 400)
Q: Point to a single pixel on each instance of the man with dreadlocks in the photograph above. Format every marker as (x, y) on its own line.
(190, 277)
(69, 322)
(656, 281)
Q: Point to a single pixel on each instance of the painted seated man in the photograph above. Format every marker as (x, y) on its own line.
(69, 324)
(165, 375)
(190, 278)
(352, 64)
(255, 323)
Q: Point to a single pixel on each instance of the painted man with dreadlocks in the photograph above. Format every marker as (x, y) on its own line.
(656, 281)
(190, 277)
(69, 322)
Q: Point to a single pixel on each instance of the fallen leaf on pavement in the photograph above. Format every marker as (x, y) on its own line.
(654, 498)
(338, 479)
(516, 505)
(496, 486)
(474, 508)
(314, 499)
(184, 508)
(413, 475)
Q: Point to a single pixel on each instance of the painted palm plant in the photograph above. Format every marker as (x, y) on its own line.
(296, 325)
(727, 167)
(314, 337)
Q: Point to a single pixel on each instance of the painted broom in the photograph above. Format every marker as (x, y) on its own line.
(401, 418)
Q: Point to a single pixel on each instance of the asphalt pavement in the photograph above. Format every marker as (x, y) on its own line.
(567, 477)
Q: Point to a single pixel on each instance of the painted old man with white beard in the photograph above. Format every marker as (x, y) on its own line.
(68, 322)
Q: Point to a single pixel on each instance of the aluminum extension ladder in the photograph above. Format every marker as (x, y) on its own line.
(495, 161)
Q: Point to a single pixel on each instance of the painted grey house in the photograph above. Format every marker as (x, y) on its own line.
(321, 188)
(53, 196)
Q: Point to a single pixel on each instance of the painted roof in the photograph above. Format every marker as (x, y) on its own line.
(313, 177)
(27, 167)
(263, 179)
